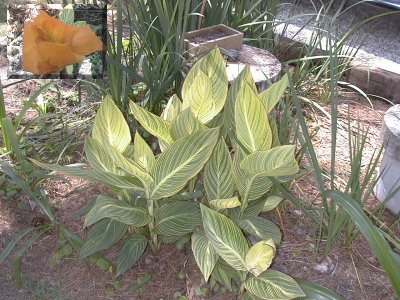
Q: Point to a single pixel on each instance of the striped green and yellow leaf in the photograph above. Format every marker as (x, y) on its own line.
(177, 218)
(121, 211)
(152, 123)
(205, 255)
(278, 161)
(225, 237)
(218, 178)
(272, 285)
(130, 253)
(251, 120)
(271, 96)
(110, 124)
(142, 153)
(172, 109)
(102, 235)
(185, 124)
(260, 227)
(182, 161)
(225, 203)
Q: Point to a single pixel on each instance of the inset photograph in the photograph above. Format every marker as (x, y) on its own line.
(51, 41)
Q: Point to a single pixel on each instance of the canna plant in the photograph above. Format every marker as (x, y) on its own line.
(210, 181)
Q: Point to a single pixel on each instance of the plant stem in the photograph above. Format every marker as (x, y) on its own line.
(155, 245)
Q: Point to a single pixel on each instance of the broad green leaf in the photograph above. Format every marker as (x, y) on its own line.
(108, 178)
(185, 124)
(370, 232)
(244, 77)
(142, 153)
(218, 179)
(251, 119)
(204, 254)
(104, 157)
(315, 291)
(275, 133)
(173, 108)
(252, 210)
(199, 99)
(261, 228)
(278, 161)
(273, 285)
(110, 124)
(260, 256)
(177, 218)
(250, 188)
(121, 211)
(225, 203)
(152, 123)
(271, 203)
(67, 14)
(102, 235)
(224, 274)
(181, 162)
(226, 238)
(213, 66)
(130, 253)
(271, 96)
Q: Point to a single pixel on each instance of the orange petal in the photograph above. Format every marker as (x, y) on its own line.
(58, 55)
(53, 29)
(85, 41)
(31, 60)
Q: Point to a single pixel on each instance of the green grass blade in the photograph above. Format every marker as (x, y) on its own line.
(378, 244)
(13, 242)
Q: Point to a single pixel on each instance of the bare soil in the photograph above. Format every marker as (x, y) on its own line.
(352, 272)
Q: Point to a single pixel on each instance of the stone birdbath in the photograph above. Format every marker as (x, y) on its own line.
(264, 66)
(389, 170)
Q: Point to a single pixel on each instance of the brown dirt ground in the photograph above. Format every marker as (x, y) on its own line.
(352, 272)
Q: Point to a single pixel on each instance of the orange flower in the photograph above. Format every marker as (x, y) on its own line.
(49, 45)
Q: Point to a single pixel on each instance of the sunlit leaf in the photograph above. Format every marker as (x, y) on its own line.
(142, 153)
(225, 203)
(204, 254)
(260, 227)
(185, 124)
(260, 256)
(271, 96)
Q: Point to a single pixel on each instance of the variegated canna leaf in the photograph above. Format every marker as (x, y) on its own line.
(273, 285)
(260, 256)
(225, 237)
(271, 96)
(218, 179)
(142, 153)
(278, 161)
(110, 124)
(185, 124)
(205, 255)
(213, 66)
(130, 253)
(225, 203)
(251, 119)
(173, 108)
(107, 207)
(260, 227)
(182, 161)
(152, 123)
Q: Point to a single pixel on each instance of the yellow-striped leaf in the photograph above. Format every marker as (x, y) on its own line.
(152, 123)
(142, 153)
(273, 285)
(218, 179)
(204, 254)
(102, 235)
(271, 96)
(252, 126)
(260, 256)
(130, 253)
(110, 124)
(225, 203)
(181, 162)
(278, 161)
(259, 227)
(199, 99)
(225, 237)
(177, 218)
(185, 124)
(229, 109)
(213, 66)
(107, 157)
(271, 203)
(121, 211)
(173, 108)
